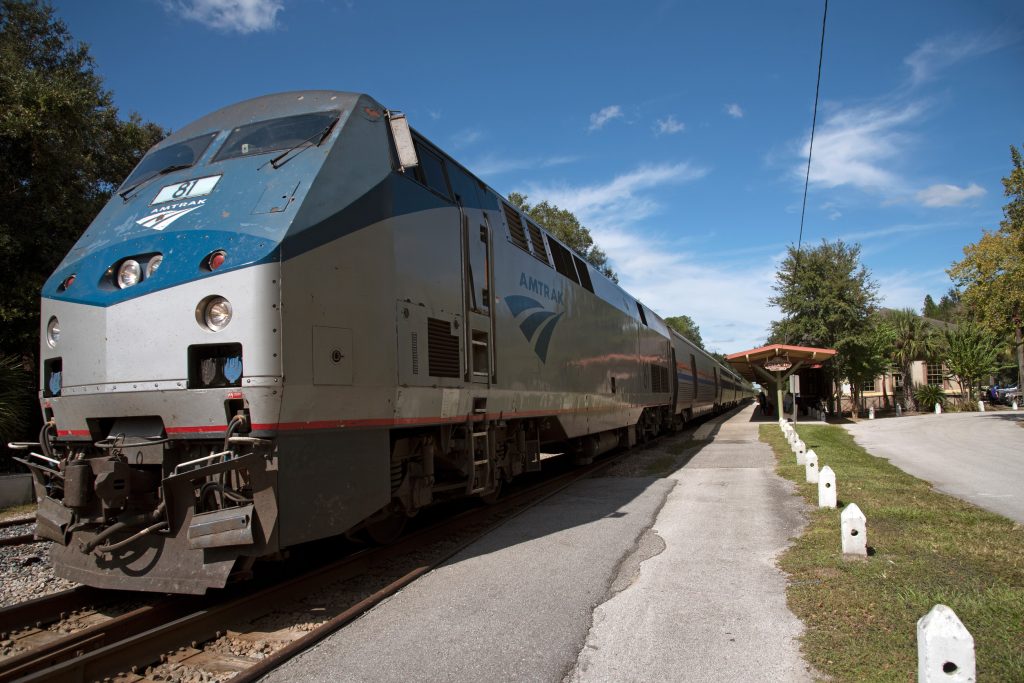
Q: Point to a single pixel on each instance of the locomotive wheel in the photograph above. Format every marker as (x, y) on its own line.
(492, 497)
(386, 530)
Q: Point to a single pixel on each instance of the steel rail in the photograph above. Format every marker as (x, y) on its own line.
(21, 540)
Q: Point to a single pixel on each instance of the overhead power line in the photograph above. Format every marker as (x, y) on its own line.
(814, 123)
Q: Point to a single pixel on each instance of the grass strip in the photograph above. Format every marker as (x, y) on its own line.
(926, 548)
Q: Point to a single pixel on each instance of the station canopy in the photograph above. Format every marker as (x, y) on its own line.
(776, 361)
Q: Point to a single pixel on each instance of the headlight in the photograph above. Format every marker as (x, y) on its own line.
(216, 313)
(53, 332)
(128, 274)
(153, 264)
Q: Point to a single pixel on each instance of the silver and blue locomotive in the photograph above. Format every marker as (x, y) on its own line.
(298, 318)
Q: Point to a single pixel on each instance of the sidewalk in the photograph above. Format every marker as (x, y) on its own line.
(712, 605)
(575, 588)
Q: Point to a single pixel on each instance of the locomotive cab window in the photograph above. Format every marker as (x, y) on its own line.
(434, 176)
(171, 158)
(278, 134)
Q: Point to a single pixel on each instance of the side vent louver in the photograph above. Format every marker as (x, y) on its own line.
(442, 349)
(415, 354)
(659, 379)
(537, 238)
(515, 227)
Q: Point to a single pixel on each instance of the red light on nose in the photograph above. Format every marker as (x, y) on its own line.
(217, 259)
(67, 282)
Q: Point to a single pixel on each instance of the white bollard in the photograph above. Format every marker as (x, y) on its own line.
(826, 488)
(981, 406)
(899, 410)
(945, 648)
(871, 413)
(1015, 405)
(855, 531)
(800, 450)
(811, 467)
(938, 409)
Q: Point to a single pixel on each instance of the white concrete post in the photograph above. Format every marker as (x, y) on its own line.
(899, 410)
(1015, 405)
(800, 450)
(871, 413)
(826, 488)
(945, 649)
(981, 406)
(854, 526)
(938, 409)
(811, 467)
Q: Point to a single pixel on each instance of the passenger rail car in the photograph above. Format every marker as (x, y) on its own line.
(298, 318)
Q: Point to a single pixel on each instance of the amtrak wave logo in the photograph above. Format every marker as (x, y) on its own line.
(538, 323)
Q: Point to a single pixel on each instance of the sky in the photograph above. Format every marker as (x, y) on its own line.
(676, 131)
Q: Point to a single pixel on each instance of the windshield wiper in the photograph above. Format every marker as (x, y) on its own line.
(163, 171)
(321, 134)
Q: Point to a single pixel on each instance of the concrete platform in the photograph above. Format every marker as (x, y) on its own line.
(615, 579)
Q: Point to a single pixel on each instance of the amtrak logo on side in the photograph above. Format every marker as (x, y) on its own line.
(160, 218)
(538, 323)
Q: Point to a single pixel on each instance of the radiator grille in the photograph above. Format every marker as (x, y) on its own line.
(442, 349)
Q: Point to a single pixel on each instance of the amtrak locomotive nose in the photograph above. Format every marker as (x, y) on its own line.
(163, 330)
(298, 318)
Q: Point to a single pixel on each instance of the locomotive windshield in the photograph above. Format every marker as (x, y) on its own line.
(278, 134)
(180, 155)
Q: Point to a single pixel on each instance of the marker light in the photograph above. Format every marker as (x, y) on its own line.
(53, 332)
(216, 313)
(153, 264)
(215, 259)
(128, 274)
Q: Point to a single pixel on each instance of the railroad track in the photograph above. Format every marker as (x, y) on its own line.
(247, 629)
(16, 539)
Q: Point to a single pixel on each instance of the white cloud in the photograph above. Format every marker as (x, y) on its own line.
(602, 117)
(856, 146)
(620, 200)
(732, 312)
(948, 195)
(243, 16)
(937, 54)
(734, 110)
(465, 138)
(492, 165)
(670, 125)
(903, 289)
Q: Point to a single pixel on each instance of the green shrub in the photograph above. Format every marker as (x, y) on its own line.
(927, 396)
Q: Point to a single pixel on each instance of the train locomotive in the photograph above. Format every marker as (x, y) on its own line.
(298, 318)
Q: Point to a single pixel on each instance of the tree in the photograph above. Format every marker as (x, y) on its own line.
(564, 225)
(865, 357)
(991, 274)
(946, 310)
(827, 296)
(910, 339)
(63, 149)
(970, 355)
(684, 325)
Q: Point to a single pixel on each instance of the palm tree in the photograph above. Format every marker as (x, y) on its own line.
(912, 339)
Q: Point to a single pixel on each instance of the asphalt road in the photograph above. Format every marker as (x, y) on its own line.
(975, 456)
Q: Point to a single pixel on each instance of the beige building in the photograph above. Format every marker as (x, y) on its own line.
(879, 394)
